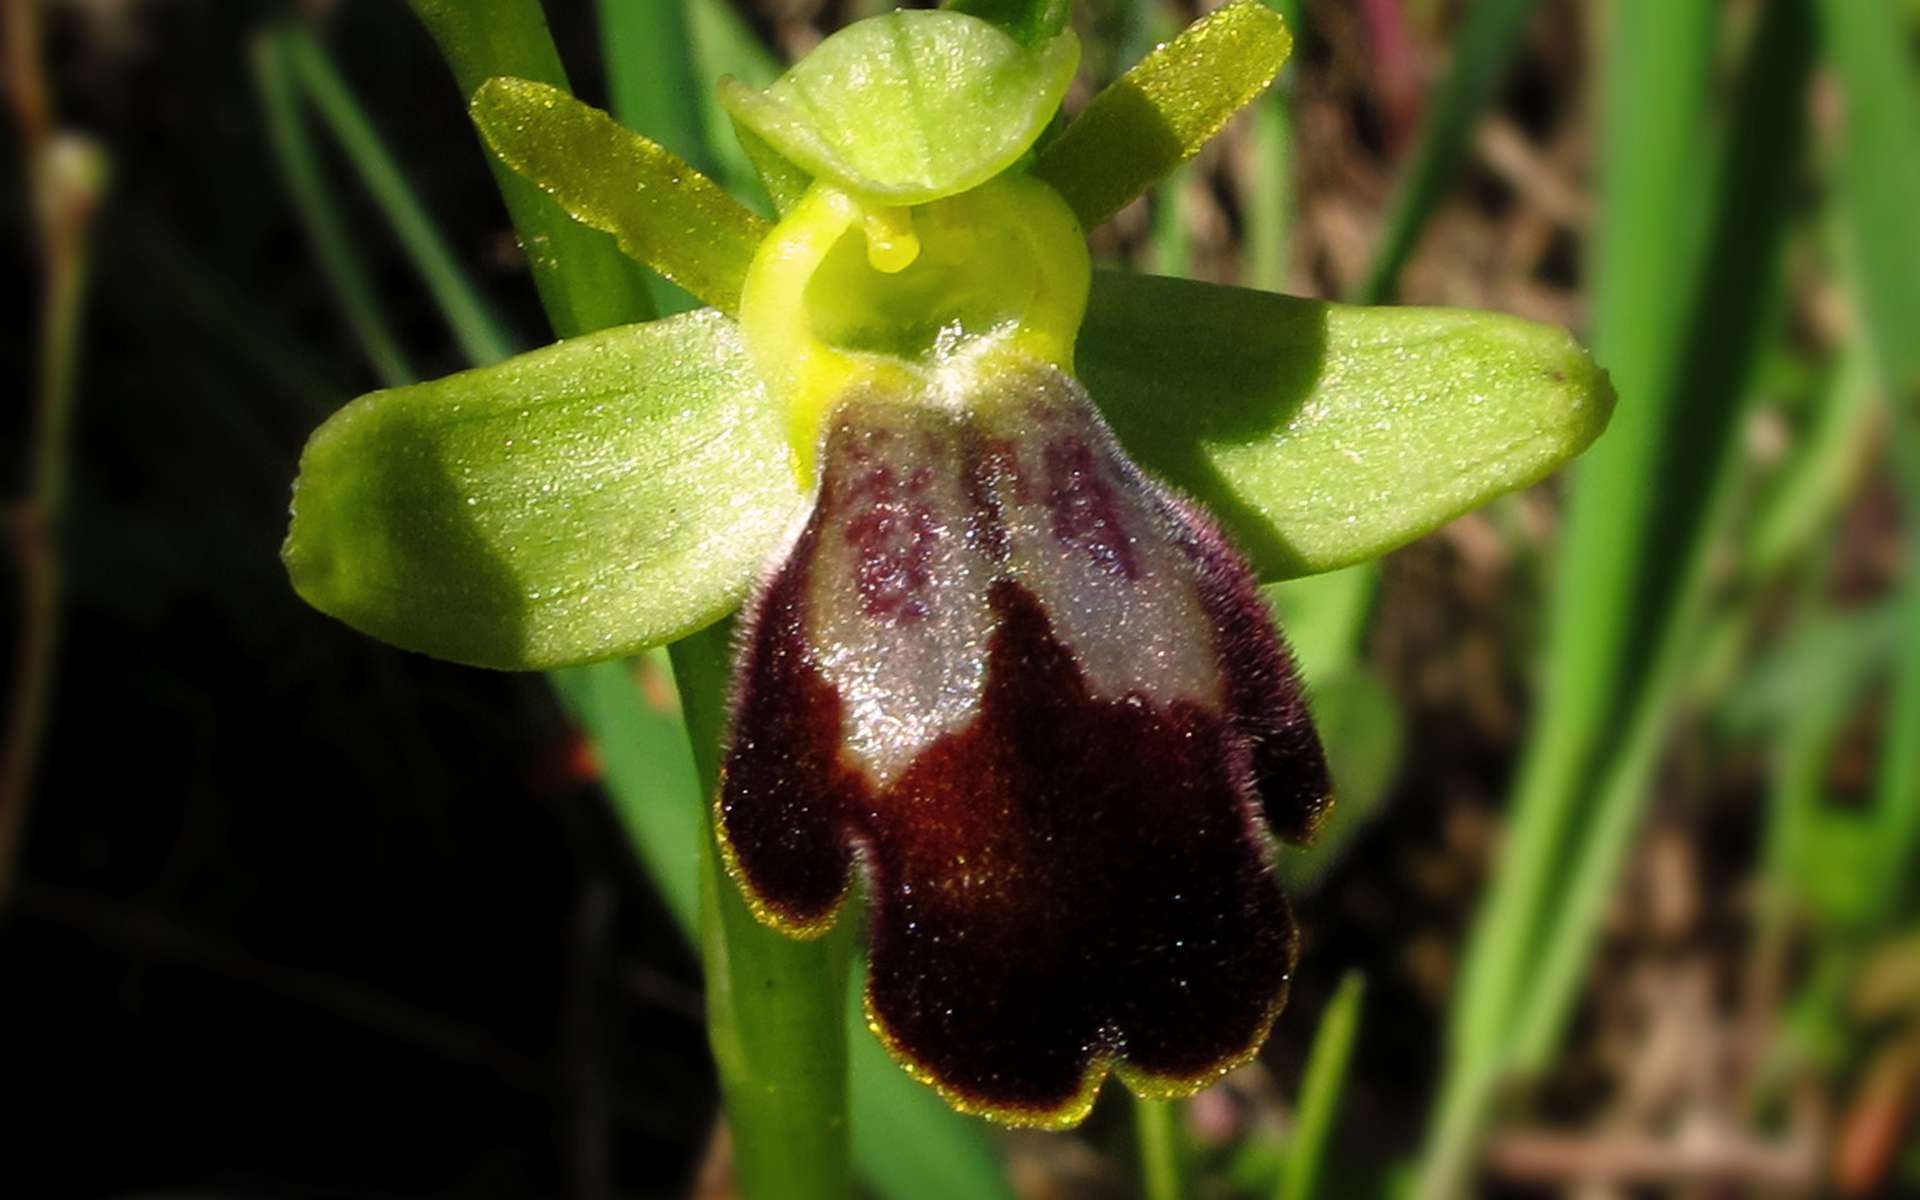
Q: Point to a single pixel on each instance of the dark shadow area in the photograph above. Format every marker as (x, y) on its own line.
(300, 914)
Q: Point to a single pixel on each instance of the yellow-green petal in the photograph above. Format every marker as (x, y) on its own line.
(1161, 112)
(661, 210)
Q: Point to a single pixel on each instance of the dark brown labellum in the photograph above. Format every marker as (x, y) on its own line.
(1037, 698)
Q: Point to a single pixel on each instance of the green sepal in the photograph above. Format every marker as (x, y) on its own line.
(661, 210)
(587, 500)
(1322, 434)
(908, 107)
(1161, 112)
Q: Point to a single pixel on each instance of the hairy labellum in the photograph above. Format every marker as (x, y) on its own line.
(1035, 696)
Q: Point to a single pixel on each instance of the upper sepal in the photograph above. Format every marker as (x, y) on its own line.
(1038, 699)
(912, 106)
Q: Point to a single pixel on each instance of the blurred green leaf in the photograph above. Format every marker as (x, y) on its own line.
(1870, 43)
(279, 95)
(1321, 1089)
(1161, 112)
(662, 211)
(481, 336)
(650, 75)
(1827, 465)
(648, 769)
(1818, 663)
(724, 44)
(1364, 734)
(1323, 435)
(910, 106)
(1324, 617)
(584, 283)
(587, 500)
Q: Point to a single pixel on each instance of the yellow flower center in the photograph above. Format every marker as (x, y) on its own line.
(845, 292)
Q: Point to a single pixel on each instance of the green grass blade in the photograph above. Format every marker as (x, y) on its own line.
(1321, 1089)
(1870, 45)
(723, 44)
(1531, 947)
(583, 280)
(481, 336)
(1481, 53)
(1736, 303)
(1655, 90)
(907, 1144)
(1834, 454)
(1162, 1149)
(647, 767)
(293, 148)
(650, 75)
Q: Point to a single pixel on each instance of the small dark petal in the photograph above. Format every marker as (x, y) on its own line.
(1041, 699)
(1269, 708)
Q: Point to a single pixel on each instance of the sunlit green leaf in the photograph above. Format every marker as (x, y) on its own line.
(910, 106)
(1160, 113)
(587, 500)
(662, 211)
(1322, 434)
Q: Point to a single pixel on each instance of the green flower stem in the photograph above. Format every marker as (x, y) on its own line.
(1163, 1155)
(774, 1004)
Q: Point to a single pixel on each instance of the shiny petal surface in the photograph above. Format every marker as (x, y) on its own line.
(1037, 699)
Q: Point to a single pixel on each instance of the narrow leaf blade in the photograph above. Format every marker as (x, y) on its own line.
(1323, 434)
(662, 212)
(1161, 112)
(580, 502)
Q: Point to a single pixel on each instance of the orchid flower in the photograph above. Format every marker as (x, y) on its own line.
(1006, 661)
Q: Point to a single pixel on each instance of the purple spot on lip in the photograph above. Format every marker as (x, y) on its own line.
(893, 532)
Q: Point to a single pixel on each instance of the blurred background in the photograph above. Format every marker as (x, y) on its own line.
(1623, 881)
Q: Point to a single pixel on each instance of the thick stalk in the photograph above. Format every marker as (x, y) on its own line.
(774, 1004)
